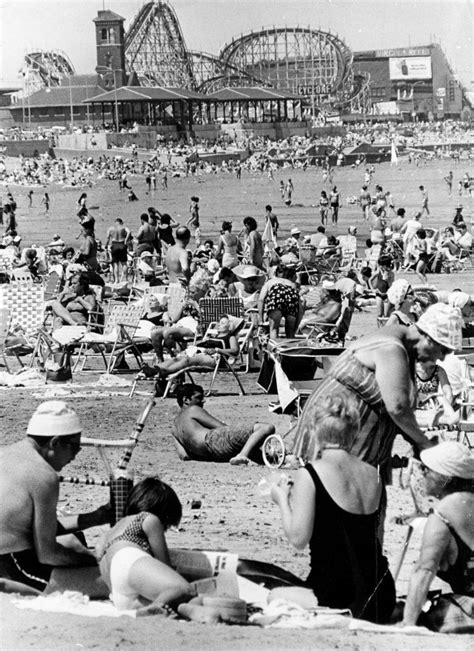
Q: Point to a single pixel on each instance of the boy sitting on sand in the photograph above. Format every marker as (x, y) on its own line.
(201, 437)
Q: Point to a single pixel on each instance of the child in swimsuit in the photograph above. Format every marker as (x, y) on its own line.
(133, 556)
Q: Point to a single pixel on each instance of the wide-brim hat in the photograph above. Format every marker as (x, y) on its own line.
(443, 324)
(295, 231)
(54, 418)
(450, 459)
(247, 271)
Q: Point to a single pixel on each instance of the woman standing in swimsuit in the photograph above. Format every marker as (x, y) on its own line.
(228, 246)
(133, 556)
(378, 372)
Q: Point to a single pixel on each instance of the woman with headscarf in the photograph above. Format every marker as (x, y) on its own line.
(447, 549)
(377, 371)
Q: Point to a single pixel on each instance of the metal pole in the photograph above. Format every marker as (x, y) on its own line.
(70, 104)
(116, 103)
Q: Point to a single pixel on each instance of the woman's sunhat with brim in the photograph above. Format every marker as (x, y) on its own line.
(443, 324)
(247, 271)
(398, 291)
(54, 418)
(450, 459)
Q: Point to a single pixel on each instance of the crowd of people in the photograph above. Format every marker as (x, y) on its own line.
(308, 284)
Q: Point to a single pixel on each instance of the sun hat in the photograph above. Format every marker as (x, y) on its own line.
(449, 458)
(443, 324)
(459, 206)
(247, 271)
(458, 299)
(328, 284)
(295, 231)
(398, 291)
(213, 266)
(54, 418)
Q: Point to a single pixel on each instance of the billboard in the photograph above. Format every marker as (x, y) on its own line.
(409, 68)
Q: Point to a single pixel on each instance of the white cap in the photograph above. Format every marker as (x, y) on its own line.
(54, 418)
(295, 231)
(449, 458)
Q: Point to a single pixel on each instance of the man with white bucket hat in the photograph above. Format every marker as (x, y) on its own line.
(29, 490)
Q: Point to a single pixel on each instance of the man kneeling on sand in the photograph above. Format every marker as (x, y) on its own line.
(201, 437)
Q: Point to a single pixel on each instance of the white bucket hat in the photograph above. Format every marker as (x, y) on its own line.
(449, 458)
(443, 324)
(54, 418)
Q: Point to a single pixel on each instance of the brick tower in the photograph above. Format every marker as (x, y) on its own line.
(110, 37)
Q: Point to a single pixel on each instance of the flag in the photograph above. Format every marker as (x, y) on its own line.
(268, 237)
(394, 155)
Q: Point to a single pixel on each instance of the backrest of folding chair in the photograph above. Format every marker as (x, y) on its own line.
(212, 309)
(52, 286)
(176, 297)
(26, 305)
(4, 323)
(127, 316)
(21, 275)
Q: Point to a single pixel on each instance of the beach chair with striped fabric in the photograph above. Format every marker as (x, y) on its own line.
(211, 309)
(116, 337)
(25, 303)
(222, 363)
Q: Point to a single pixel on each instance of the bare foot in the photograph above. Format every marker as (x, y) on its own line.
(239, 460)
(157, 609)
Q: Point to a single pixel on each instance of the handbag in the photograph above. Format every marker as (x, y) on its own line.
(59, 369)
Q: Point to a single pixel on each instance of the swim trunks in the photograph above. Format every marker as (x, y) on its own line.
(226, 442)
(24, 567)
(118, 252)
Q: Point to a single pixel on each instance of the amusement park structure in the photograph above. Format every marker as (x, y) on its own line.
(314, 64)
(44, 68)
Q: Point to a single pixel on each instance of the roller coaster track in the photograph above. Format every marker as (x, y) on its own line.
(284, 49)
(155, 47)
(46, 68)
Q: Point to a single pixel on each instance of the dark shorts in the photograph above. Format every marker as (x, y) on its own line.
(226, 442)
(24, 567)
(118, 252)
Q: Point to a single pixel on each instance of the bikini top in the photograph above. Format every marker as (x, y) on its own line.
(132, 533)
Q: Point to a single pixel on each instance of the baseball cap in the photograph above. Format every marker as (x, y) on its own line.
(54, 418)
(443, 324)
(449, 458)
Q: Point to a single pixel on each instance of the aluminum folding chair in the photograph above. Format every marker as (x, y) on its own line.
(116, 478)
(25, 303)
(222, 363)
(116, 339)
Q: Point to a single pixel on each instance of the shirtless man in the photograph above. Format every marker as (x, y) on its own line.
(145, 236)
(118, 237)
(178, 258)
(29, 489)
(201, 437)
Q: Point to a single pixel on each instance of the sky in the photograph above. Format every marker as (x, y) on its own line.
(207, 25)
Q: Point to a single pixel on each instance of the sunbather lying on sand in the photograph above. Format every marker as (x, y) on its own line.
(201, 437)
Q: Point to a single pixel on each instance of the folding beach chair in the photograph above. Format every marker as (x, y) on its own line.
(52, 286)
(25, 303)
(222, 363)
(116, 479)
(211, 309)
(116, 338)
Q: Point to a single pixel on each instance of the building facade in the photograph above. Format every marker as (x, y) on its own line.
(414, 81)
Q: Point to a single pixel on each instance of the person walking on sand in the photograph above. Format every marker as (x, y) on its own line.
(424, 201)
(45, 201)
